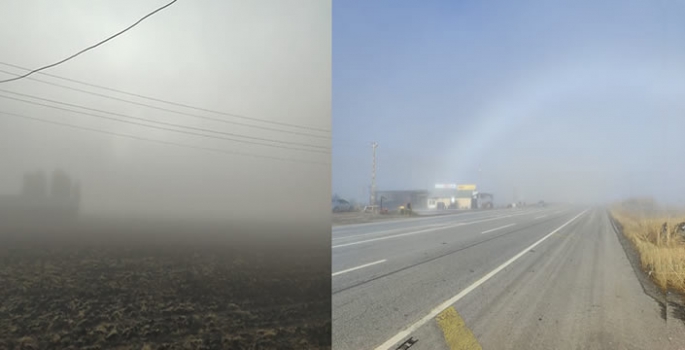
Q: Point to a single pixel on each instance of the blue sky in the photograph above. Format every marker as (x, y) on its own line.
(579, 101)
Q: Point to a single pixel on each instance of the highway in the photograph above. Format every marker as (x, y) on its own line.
(551, 277)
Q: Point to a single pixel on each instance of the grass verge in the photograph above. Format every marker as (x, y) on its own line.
(661, 248)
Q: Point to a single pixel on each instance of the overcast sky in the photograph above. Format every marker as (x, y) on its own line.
(267, 59)
(572, 101)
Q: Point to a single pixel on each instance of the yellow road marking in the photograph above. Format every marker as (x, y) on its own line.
(457, 335)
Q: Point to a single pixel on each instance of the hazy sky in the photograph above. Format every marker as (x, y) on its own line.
(576, 101)
(267, 59)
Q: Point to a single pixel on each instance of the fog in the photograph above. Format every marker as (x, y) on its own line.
(578, 102)
(268, 61)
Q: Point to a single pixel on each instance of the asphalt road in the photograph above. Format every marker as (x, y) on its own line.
(532, 278)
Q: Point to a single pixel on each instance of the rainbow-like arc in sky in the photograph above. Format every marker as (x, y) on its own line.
(561, 81)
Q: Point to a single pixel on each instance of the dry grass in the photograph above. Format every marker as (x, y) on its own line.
(662, 253)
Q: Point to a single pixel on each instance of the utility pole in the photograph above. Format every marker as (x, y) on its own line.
(373, 175)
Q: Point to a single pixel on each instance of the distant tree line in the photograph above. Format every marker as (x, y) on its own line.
(644, 204)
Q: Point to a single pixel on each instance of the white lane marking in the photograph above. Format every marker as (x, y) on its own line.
(386, 231)
(426, 230)
(472, 215)
(502, 216)
(433, 217)
(395, 236)
(498, 228)
(443, 224)
(540, 217)
(357, 268)
(437, 310)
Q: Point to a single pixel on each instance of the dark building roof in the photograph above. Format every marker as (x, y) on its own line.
(339, 201)
(400, 197)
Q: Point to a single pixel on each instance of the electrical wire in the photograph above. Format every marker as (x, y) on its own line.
(162, 142)
(154, 121)
(90, 47)
(170, 110)
(171, 102)
(161, 128)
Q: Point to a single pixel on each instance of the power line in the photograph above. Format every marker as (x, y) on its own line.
(90, 47)
(170, 110)
(171, 102)
(161, 128)
(149, 120)
(160, 141)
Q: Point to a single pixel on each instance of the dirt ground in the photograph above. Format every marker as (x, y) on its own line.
(162, 288)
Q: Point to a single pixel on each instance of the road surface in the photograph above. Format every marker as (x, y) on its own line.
(529, 278)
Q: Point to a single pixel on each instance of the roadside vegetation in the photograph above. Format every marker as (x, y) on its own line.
(657, 235)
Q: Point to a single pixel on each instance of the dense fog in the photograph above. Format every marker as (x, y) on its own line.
(233, 123)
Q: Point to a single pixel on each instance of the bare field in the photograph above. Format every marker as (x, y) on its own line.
(662, 253)
(162, 288)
